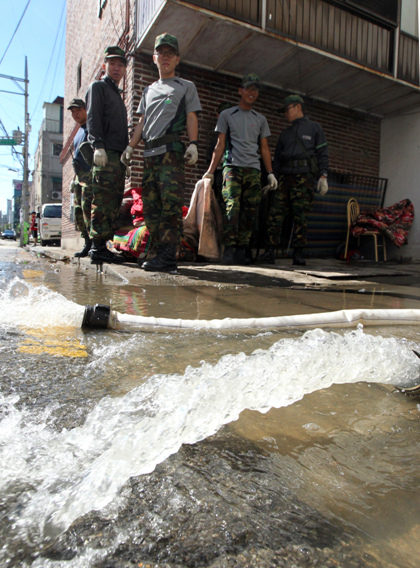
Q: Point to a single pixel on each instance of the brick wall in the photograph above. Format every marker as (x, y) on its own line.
(353, 138)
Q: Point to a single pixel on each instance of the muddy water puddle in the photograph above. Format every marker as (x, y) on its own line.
(186, 448)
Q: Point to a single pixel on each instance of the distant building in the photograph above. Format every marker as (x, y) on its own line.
(47, 175)
(17, 197)
(9, 213)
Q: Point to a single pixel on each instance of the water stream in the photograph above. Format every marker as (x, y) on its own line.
(189, 448)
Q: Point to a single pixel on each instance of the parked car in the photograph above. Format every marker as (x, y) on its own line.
(9, 234)
(50, 223)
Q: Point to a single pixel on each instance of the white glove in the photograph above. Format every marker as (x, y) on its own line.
(191, 155)
(272, 182)
(210, 176)
(127, 155)
(322, 186)
(100, 158)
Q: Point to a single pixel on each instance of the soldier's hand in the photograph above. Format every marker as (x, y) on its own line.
(272, 182)
(191, 155)
(100, 158)
(209, 176)
(322, 186)
(127, 155)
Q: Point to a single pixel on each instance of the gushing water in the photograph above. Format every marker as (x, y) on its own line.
(72, 472)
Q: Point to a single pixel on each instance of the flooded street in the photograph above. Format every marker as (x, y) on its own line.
(176, 448)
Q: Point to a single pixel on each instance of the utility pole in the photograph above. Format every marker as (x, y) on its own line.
(14, 141)
(25, 188)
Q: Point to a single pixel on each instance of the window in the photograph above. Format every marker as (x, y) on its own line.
(410, 17)
(79, 76)
(57, 184)
(56, 149)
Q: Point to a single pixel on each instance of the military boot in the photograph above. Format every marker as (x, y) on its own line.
(85, 250)
(269, 256)
(99, 253)
(241, 258)
(298, 257)
(228, 257)
(164, 261)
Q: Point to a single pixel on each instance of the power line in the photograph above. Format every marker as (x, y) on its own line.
(52, 54)
(58, 61)
(8, 45)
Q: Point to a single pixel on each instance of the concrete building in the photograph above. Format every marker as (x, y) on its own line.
(47, 176)
(355, 63)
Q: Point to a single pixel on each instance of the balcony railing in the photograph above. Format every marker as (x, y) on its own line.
(363, 32)
(52, 125)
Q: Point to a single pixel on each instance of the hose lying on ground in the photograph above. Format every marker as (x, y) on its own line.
(102, 316)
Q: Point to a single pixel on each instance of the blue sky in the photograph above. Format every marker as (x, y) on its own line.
(41, 37)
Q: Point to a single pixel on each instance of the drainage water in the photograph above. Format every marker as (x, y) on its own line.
(85, 424)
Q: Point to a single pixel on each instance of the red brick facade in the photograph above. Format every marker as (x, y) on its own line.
(353, 138)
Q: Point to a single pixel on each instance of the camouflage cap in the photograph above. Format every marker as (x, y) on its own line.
(250, 79)
(167, 39)
(76, 103)
(113, 51)
(292, 99)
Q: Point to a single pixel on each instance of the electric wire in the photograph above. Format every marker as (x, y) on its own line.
(63, 37)
(16, 29)
(51, 58)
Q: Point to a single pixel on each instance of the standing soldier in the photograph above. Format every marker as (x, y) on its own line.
(108, 135)
(82, 183)
(300, 163)
(242, 132)
(165, 108)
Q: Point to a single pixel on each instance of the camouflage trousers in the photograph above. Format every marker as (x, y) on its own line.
(82, 200)
(107, 192)
(241, 193)
(295, 194)
(163, 191)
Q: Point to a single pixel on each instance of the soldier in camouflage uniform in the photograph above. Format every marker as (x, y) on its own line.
(242, 132)
(82, 182)
(166, 107)
(108, 135)
(298, 145)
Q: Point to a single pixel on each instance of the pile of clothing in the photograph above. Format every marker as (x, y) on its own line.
(394, 221)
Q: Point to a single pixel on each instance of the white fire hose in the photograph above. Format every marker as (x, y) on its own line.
(103, 316)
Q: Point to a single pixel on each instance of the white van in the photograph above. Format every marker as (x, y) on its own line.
(50, 223)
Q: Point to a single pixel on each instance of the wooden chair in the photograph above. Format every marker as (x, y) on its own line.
(353, 212)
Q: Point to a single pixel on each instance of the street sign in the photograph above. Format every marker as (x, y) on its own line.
(8, 142)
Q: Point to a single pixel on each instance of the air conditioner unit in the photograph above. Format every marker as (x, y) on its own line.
(57, 194)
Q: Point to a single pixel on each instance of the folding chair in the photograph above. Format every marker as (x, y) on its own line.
(353, 212)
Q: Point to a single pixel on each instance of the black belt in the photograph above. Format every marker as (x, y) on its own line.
(296, 163)
(166, 139)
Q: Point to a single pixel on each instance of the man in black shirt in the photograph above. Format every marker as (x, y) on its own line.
(301, 167)
(108, 135)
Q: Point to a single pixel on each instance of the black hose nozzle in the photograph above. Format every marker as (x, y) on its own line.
(96, 316)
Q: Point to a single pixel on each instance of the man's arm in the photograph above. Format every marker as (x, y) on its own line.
(136, 136)
(192, 126)
(94, 121)
(217, 153)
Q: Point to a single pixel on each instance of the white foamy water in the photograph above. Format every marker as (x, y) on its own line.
(24, 305)
(74, 472)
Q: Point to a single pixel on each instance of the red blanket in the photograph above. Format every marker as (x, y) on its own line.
(394, 221)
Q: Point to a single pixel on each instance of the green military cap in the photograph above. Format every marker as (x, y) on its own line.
(250, 79)
(76, 103)
(292, 99)
(115, 51)
(167, 39)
